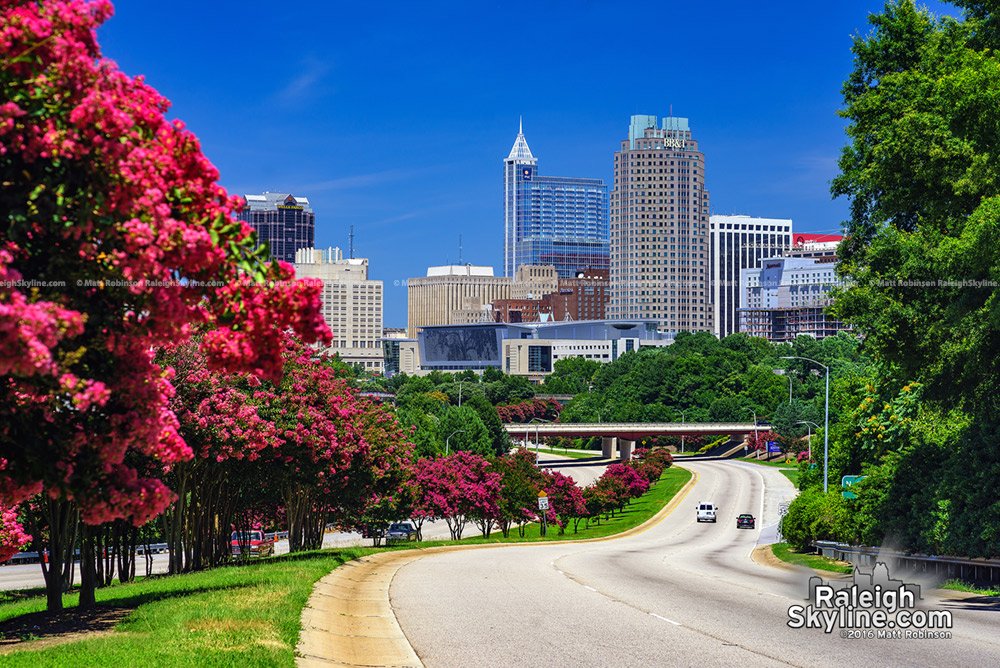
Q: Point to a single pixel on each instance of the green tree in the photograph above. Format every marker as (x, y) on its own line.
(472, 435)
(500, 442)
(922, 173)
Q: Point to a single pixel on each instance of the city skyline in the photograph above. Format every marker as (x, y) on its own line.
(395, 126)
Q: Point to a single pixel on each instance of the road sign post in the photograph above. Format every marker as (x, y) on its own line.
(543, 505)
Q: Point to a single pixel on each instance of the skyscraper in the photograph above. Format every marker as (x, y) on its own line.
(738, 243)
(554, 220)
(285, 222)
(352, 304)
(659, 227)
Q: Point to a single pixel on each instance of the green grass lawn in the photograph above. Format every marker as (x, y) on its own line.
(634, 514)
(239, 616)
(793, 475)
(958, 585)
(763, 462)
(787, 554)
(230, 616)
(574, 455)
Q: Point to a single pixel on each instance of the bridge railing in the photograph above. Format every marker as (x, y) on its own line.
(974, 570)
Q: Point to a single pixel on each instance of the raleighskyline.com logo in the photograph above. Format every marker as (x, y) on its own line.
(871, 605)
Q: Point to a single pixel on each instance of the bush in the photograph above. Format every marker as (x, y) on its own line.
(813, 516)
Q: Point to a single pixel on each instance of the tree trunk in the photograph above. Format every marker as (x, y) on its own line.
(89, 559)
(61, 516)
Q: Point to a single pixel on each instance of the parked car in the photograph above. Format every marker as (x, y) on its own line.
(745, 521)
(257, 544)
(400, 532)
(706, 511)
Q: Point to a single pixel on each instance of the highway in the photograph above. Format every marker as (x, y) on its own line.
(679, 594)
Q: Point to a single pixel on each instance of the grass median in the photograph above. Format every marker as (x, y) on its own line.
(815, 561)
(593, 454)
(241, 616)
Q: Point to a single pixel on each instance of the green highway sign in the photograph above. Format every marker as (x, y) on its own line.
(846, 483)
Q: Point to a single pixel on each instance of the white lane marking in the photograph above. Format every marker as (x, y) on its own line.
(589, 587)
(665, 619)
(775, 595)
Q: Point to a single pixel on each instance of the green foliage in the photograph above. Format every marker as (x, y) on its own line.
(816, 516)
(922, 172)
(710, 380)
(570, 375)
(423, 427)
(509, 389)
(500, 442)
(473, 436)
(787, 416)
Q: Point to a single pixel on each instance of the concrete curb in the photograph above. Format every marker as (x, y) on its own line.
(349, 622)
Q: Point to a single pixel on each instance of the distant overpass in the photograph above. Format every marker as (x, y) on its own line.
(625, 434)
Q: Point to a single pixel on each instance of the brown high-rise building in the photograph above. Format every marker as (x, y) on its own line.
(659, 228)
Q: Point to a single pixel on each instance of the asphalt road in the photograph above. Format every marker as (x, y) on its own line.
(679, 594)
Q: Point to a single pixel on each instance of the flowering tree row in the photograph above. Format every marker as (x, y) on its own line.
(116, 241)
(503, 493)
(546, 409)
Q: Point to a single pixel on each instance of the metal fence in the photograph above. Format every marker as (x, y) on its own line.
(970, 570)
(155, 548)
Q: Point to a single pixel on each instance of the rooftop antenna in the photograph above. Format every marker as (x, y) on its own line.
(671, 111)
(460, 249)
(352, 242)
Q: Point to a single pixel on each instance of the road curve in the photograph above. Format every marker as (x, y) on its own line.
(680, 593)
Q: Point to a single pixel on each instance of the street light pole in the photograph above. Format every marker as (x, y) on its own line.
(826, 423)
(754, 413)
(460, 393)
(447, 440)
(780, 372)
(682, 433)
(809, 426)
(536, 436)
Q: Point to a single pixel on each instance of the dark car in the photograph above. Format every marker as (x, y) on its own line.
(400, 532)
(745, 521)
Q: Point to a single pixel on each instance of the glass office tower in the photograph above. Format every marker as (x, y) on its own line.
(285, 222)
(553, 220)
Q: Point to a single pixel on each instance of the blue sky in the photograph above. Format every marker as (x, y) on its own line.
(396, 117)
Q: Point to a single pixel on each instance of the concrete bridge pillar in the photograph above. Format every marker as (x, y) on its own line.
(608, 447)
(626, 447)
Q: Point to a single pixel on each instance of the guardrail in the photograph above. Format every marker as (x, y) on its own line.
(970, 570)
(154, 548)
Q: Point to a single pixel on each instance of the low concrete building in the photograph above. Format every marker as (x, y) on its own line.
(525, 349)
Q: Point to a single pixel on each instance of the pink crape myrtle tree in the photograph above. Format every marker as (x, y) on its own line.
(307, 449)
(458, 488)
(566, 500)
(12, 536)
(116, 239)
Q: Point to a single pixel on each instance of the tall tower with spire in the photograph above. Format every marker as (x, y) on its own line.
(554, 220)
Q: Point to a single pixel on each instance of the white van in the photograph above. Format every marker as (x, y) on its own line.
(706, 511)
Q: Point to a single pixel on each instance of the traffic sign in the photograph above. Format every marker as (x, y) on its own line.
(846, 482)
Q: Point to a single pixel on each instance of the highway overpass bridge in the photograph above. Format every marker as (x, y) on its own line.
(623, 435)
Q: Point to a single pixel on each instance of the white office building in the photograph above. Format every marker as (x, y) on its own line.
(738, 243)
(352, 304)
